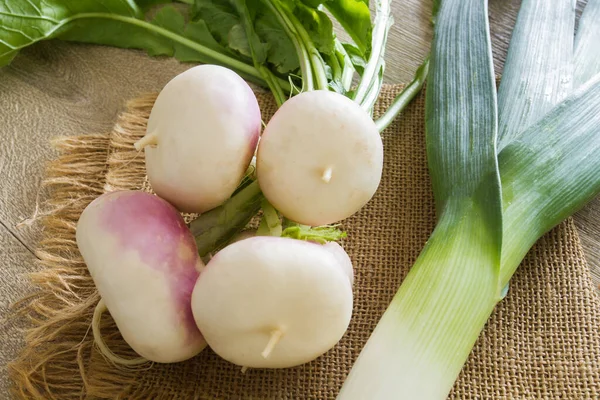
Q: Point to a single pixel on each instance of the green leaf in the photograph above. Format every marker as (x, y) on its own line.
(224, 22)
(197, 31)
(538, 70)
(356, 57)
(587, 43)
(319, 234)
(317, 24)
(355, 18)
(147, 4)
(281, 52)
(550, 171)
(220, 17)
(26, 22)
(238, 40)
(111, 22)
(255, 47)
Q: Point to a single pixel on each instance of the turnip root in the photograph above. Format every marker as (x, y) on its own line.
(273, 302)
(144, 263)
(201, 136)
(342, 258)
(320, 158)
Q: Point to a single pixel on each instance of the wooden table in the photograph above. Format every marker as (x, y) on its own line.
(57, 88)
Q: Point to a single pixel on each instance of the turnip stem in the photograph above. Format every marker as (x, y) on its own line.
(292, 33)
(271, 222)
(267, 75)
(348, 70)
(274, 85)
(150, 139)
(106, 352)
(273, 340)
(404, 98)
(316, 61)
(216, 227)
(381, 26)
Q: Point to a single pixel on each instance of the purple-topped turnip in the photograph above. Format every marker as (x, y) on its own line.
(144, 262)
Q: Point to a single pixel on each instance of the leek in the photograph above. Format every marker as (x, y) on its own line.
(419, 346)
(548, 164)
(587, 50)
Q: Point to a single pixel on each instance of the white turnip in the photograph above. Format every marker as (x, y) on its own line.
(320, 158)
(144, 263)
(272, 302)
(201, 136)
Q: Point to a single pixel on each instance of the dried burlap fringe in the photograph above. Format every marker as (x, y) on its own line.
(542, 342)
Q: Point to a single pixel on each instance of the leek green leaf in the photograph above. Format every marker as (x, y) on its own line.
(587, 43)
(461, 114)
(539, 65)
(550, 171)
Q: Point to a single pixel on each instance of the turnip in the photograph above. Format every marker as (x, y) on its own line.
(201, 136)
(144, 263)
(273, 302)
(320, 158)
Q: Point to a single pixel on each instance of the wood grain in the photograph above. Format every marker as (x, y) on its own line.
(15, 262)
(58, 88)
(588, 224)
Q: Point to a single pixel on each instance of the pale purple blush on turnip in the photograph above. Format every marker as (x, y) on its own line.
(144, 262)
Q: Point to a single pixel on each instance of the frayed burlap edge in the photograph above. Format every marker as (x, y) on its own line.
(65, 291)
(60, 312)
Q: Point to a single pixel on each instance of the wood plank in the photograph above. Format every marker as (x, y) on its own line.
(53, 89)
(588, 224)
(15, 262)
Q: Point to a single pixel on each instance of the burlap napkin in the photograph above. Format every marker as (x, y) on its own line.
(543, 341)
